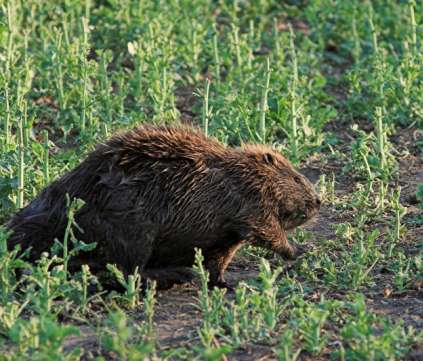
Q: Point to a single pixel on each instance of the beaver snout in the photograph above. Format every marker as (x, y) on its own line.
(314, 203)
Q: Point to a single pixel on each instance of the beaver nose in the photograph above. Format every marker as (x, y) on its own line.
(318, 201)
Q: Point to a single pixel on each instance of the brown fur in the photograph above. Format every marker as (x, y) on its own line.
(154, 194)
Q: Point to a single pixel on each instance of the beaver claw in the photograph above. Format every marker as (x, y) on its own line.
(222, 284)
(293, 252)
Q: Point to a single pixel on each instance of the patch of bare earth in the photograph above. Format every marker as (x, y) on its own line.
(186, 100)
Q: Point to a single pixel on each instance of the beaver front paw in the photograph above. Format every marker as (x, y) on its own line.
(292, 251)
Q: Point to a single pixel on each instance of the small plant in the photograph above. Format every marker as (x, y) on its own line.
(207, 113)
(131, 285)
(401, 270)
(266, 301)
(41, 338)
(9, 264)
(263, 102)
(211, 307)
(9, 315)
(125, 339)
(398, 229)
(149, 302)
(367, 336)
(309, 320)
(371, 154)
(326, 189)
(45, 282)
(72, 208)
(204, 299)
(285, 349)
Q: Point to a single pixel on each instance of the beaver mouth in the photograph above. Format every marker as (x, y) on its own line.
(298, 218)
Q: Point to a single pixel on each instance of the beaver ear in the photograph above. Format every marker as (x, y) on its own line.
(268, 158)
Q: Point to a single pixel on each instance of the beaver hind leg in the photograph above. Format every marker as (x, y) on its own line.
(168, 276)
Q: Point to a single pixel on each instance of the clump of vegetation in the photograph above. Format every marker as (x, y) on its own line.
(336, 86)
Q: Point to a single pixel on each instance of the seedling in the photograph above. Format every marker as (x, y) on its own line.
(131, 285)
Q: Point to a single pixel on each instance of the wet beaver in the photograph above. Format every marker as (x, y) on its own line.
(154, 194)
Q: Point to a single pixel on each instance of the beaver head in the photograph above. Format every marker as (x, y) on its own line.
(286, 198)
(288, 194)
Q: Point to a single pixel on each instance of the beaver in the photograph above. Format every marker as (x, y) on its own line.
(155, 193)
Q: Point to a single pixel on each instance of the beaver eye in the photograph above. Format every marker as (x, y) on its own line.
(297, 179)
(268, 158)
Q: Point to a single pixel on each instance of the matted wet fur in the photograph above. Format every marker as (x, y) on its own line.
(154, 194)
